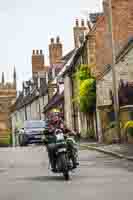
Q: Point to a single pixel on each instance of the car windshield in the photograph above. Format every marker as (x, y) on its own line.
(35, 124)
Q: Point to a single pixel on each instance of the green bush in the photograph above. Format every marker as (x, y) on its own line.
(90, 133)
(114, 125)
(6, 140)
(130, 131)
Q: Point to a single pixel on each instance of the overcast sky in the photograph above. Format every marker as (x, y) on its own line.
(29, 24)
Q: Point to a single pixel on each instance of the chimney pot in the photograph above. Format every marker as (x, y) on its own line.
(58, 39)
(33, 52)
(82, 22)
(37, 52)
(77, 22)
(52, 40)
(41, 51)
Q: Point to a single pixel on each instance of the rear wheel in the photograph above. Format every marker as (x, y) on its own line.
(66, 176)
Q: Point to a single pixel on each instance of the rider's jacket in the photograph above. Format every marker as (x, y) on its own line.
(50, 131)
(50, 135)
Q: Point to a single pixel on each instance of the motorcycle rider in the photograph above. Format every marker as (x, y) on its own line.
(56, 123)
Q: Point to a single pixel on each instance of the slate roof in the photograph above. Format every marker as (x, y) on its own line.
(68, 55)
(55, 100)
(22, 100)
(93, 16)
(74, 60)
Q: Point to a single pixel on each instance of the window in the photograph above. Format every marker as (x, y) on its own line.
(42, 82)
(34, 124)
(111, 116)
(131, 115)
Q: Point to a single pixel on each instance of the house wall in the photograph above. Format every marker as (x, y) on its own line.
(124, 71)
(33, 110)
(68, 102)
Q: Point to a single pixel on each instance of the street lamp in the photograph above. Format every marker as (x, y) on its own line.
(114, 81)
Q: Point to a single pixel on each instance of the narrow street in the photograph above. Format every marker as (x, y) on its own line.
(24, 175)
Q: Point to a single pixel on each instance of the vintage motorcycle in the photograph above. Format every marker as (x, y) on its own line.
(65, 154)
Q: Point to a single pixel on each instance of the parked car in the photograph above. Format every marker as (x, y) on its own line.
(32, 132)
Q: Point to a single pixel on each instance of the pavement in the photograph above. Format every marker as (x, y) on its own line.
(124, 151)
(24, 175)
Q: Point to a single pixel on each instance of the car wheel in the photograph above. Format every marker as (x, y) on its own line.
(23, 141)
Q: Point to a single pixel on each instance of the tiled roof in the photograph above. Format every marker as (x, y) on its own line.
(124, 49)
(120, 55)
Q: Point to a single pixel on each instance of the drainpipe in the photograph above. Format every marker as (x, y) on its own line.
(25, 112)
(99, 127)
(39, 108)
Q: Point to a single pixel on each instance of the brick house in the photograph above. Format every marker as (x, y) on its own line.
(122, 31)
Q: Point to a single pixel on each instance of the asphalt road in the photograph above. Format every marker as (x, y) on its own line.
(24, 175)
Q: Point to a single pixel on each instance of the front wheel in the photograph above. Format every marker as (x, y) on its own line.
(64, 166)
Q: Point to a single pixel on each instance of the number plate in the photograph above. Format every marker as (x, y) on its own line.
(61, 150)
(37, 136)
(60, 137)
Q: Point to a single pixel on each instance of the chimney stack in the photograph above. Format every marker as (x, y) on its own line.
(37, 61)
(78, 31)
(55, 51)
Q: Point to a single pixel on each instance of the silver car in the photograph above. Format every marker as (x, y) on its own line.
(32, 132)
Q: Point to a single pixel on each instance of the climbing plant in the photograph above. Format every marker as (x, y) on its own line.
(86, 90)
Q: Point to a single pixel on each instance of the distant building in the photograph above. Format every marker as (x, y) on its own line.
(7, 98)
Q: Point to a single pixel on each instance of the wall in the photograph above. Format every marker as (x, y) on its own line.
(124, 70)
(68, 102)
(122, 31)
(7, 97)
